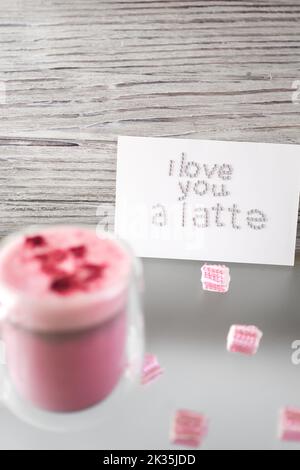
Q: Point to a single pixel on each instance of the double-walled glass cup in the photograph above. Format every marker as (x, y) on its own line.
(71, 319)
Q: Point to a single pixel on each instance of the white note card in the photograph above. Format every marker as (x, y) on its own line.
(208, 200)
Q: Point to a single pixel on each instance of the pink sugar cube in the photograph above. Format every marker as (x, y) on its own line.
(244, 339)
(289, 424)
(215, 278)
(151, 369)
(215, 273)
(189, 428)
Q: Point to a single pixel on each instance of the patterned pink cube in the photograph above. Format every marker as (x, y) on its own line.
(244, 339)
(289, 424)
(151, 369)
(215, 278)
(210, 286)
(188, 428)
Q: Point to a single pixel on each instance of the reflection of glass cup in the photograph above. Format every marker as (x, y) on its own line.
(66, 300)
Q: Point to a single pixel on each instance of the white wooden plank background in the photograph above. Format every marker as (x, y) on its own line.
(79, 73)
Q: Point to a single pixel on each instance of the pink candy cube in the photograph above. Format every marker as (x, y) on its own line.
(289, 424)
(151, 369)
(244, 339)
(215, 278)
(210, 286)
(188, 428)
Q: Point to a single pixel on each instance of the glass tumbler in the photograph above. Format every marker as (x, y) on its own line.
(71, 318)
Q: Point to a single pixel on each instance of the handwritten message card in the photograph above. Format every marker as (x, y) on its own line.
(208, 200)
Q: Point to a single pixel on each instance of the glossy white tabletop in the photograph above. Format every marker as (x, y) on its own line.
(187, 328)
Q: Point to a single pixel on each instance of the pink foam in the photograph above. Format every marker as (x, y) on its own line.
(54, 287)
(21, 262)
(189, 428)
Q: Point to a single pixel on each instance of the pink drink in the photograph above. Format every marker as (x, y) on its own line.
(64, 292)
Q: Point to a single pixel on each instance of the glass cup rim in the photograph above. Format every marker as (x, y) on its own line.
(10, 295)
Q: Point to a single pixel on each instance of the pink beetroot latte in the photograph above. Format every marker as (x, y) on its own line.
(64, 294)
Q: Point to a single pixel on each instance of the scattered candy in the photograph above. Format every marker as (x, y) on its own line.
(50, 262)
(188, 428)
(151, 369)
(63, 285)
(68, 269)
(215, 278)
(289, 424)
(35, 242)
(244, 339)
(52, 257)
(66, 283)
(89, 272)
(78, 251)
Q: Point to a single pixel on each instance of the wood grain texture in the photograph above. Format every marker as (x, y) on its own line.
(79, 73)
